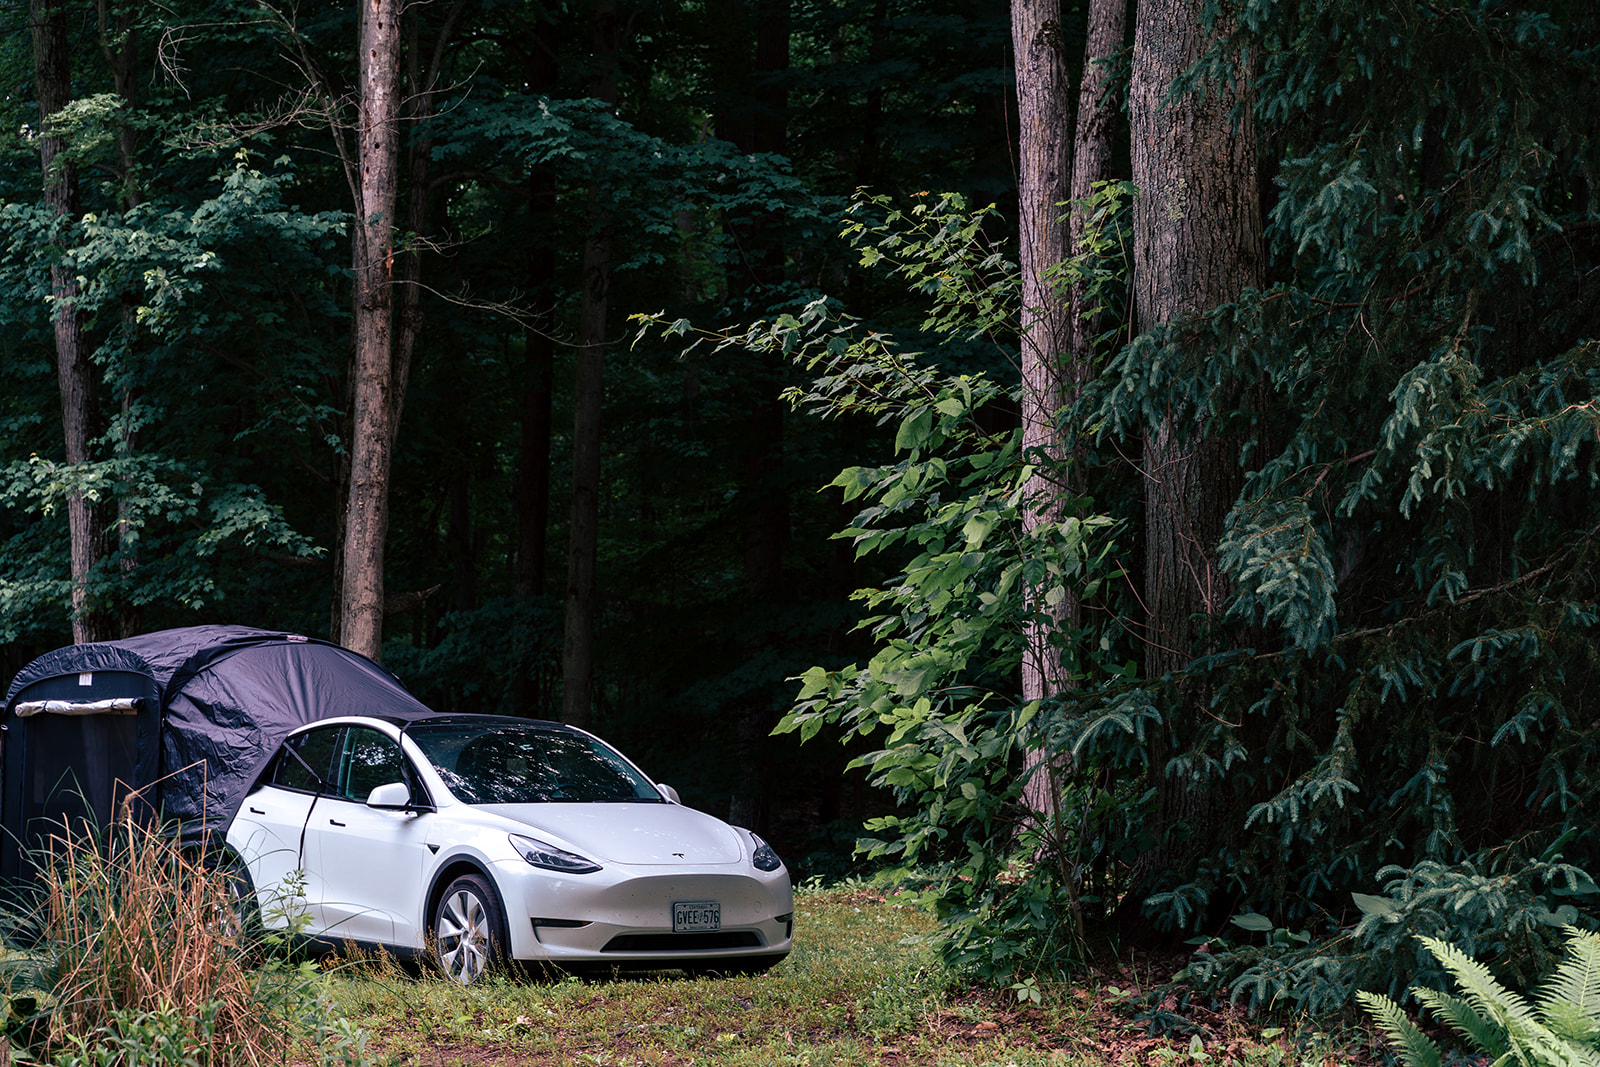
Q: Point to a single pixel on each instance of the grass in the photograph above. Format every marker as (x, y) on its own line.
(857, 990)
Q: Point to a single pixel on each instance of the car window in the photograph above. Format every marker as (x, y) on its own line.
(369, 760)
(315, 749)
(513, 764)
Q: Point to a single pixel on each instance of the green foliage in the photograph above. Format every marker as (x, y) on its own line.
(1512, 914)
(1560, 1027)
(477, 663)
(950, 627)
(168, 512)
(160, 282)
(1402, 674)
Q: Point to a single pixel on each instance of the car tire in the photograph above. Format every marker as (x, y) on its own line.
(468, 930)
(241, 918)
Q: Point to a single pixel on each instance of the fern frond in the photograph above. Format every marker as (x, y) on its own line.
(1572, 995)
(1481, 988)
(1486, 1033)
(1416, 1048)
(1569, 1022)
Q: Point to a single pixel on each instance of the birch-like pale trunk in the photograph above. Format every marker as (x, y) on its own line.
(1044, 156)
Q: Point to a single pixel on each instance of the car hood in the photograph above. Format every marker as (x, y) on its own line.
(641, 833)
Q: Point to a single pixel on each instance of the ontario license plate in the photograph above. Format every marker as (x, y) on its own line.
(694, 915)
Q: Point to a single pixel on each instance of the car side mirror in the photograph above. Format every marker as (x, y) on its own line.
(667, 791)
(391, 796)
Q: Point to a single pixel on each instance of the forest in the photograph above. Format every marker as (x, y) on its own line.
(1108, 464)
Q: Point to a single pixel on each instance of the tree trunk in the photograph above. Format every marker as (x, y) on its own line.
(759, 55)
(577, 653)
(583, 533)
(377, 383)
(532, 500)
(1197, 243)
(76, 374)
(1044, 153)
(1091, 156)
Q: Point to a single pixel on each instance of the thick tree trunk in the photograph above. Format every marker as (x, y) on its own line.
(1044, 154)
(378, 385)
(76, 374)
(532, 492)
(1091, 155)
(1197, 243)
(760, 125)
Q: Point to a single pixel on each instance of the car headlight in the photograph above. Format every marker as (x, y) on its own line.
(764, 858)
(543, 854)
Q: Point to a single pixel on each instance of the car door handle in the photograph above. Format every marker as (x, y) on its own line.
(257, 811)
(335, 822)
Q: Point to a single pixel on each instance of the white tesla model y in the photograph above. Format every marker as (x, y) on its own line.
(470, 838)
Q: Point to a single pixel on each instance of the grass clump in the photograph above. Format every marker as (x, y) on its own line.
(133, 950)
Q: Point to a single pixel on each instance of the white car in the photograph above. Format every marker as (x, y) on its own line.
(471, 837)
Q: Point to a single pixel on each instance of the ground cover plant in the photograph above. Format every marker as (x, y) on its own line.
(863, 986)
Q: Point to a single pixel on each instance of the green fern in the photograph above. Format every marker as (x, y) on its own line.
(1570, 1000)
(1560, 1028)
(1416, 1048)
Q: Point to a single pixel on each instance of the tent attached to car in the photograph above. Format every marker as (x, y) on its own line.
(178, 722)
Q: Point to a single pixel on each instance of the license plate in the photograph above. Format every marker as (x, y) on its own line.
(695, 915)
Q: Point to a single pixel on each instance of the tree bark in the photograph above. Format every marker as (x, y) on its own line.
(78, 380)
(1091, 157)
(532, 495)
(759, 56)
(1044, 155)
(378, 383)
(577, 653)
(1197, 244)
(583, 533)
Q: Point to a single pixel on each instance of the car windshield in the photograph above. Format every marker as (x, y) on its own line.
(509, 763)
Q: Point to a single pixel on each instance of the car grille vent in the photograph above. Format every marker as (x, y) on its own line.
(683, 942)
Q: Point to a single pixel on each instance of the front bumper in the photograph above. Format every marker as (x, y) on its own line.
(622, 916)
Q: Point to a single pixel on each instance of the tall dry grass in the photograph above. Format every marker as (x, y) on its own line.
(133, 922)
(127, 924)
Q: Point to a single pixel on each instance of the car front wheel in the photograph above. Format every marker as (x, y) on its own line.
(468, 929)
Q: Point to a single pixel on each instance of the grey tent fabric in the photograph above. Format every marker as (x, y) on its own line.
(215, 702)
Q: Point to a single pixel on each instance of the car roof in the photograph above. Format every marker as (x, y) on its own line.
(406, 722)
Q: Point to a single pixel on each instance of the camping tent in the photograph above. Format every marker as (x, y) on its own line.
(184, 720)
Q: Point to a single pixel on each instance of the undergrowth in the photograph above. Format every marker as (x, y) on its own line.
(129, 949)
(1513, 916)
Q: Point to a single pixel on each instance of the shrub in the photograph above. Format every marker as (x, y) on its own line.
(1511, 914)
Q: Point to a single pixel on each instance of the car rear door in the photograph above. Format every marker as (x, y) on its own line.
(267, 832)
(371, 862)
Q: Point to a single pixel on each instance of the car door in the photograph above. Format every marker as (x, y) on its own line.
(370, 861)
(268, 831)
